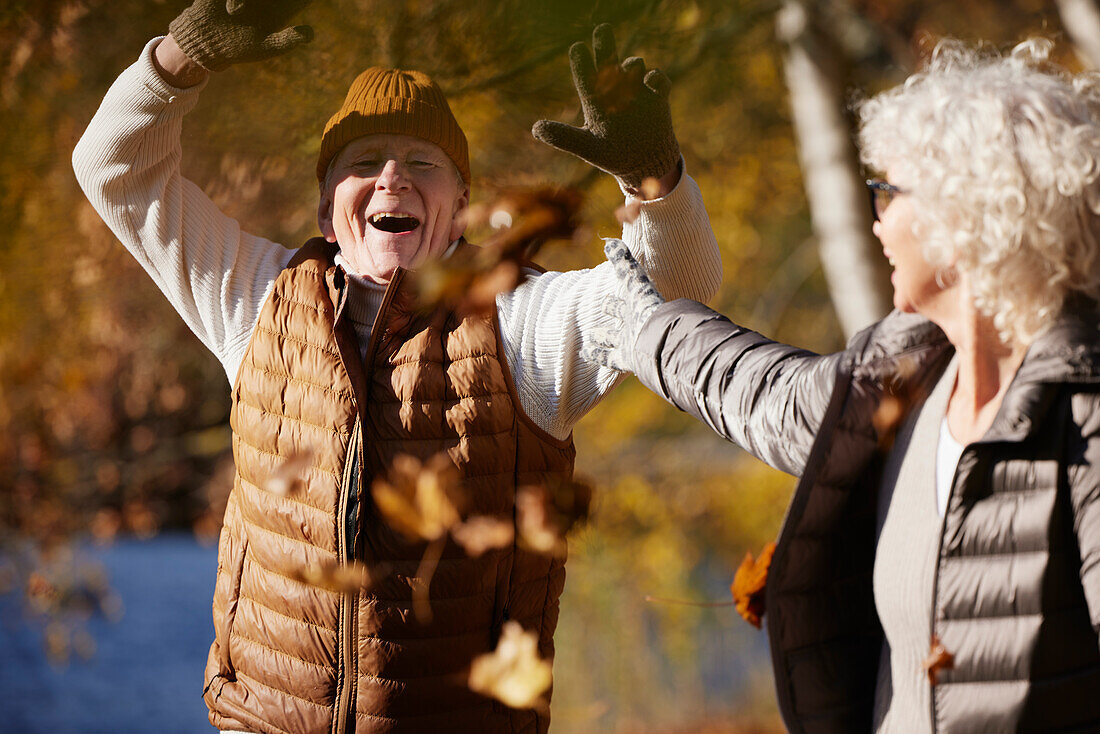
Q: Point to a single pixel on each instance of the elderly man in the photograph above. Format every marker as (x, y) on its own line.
(327, 354)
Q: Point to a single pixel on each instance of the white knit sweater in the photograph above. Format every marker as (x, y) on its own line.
(218, 277)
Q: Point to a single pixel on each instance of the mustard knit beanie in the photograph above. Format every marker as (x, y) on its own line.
(398, 102)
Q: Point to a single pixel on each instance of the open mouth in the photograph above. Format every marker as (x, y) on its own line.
(393, 222)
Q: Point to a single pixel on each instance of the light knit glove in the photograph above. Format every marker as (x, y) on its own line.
(634, 301)
(218, 33)
(627, 123)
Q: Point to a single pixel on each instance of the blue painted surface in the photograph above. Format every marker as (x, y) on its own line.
(146, 673)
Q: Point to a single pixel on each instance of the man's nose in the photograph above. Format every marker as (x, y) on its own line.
(393, 176)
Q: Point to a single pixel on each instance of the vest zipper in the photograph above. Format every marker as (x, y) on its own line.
(344, 721)
(349, 510)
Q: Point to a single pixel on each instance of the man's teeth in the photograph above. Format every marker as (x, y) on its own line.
(393, 222)
(394, 215)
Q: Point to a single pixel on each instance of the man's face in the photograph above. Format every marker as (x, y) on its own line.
(391, 201)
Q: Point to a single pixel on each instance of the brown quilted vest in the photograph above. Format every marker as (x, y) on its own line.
(289, 656)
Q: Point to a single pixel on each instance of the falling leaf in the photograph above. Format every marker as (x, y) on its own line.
(886, 419)
(483, 289)
(419, 500)
(500, 219)
(546, 513)
(522, 221)
(479, 534)
(287, 477)
(650, 188)
(353, 577)
(422, 581)
(749, 583)
(939, 659)
(513, 674)
(629, 211)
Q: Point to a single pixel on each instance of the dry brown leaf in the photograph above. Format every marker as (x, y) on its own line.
(483, 289)
(419, 500)
(629, 211)
(287, 477)
(513, 674)
(522, 221)
(938, 660)
(351, 578)
(546, 513)
(886, 419)
(481, 533)
(749, 583)
(650, 188)
(536, 528)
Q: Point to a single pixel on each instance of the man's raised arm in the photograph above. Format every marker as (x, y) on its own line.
(128, 164)
(548, 322)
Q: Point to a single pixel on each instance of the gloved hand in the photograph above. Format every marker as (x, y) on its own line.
(627, 124)
(633, 302)
(218, 33)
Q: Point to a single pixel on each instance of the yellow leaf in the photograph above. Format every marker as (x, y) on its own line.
(481, 533)
(287, 477)
(514, 674)
(545, 513)
(651, 187)
(419, 500)
(351, 578)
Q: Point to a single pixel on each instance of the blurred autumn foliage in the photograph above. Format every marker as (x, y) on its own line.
(114, 419)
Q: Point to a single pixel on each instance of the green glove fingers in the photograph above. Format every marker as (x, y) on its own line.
(219, 33)
(627, 127)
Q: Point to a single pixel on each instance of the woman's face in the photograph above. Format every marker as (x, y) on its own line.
(913, 278)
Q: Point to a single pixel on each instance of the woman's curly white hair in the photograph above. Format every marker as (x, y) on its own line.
(1003, 157)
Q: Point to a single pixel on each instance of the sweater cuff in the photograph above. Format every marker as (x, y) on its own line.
(162, 91)
(627, 190)
(681, 254)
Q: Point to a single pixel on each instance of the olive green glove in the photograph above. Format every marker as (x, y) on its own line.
(630, 306)
(218, 33)
(627, 124)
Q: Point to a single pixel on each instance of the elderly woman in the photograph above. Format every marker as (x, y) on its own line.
(950, 456)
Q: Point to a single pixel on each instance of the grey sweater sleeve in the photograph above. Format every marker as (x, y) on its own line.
(767, 397)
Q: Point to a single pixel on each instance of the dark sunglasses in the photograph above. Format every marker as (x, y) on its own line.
(882, 194)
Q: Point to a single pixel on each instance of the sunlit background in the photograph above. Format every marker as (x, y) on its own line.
(114, 437)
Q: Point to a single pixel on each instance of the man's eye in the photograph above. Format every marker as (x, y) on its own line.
(366, 163)
(421, 164)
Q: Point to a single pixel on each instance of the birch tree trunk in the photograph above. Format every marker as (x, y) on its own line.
(855, 270)
(1081, 19)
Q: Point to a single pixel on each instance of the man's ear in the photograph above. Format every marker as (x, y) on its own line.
(324, 215)
(458, 221)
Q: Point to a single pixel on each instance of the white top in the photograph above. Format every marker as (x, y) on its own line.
(948, 454)
(218, 276)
